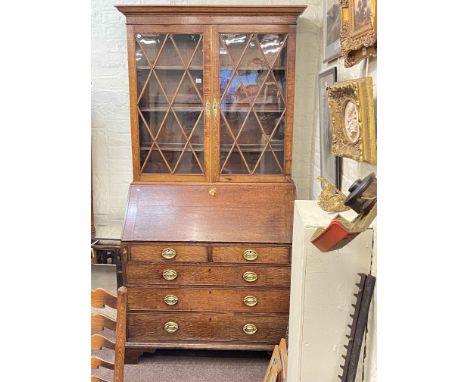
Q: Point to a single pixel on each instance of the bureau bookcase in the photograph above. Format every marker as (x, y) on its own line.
(207, 233)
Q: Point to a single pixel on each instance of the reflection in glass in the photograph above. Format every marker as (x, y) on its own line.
(252, 83)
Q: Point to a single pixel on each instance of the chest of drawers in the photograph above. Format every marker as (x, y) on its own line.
(199, 281)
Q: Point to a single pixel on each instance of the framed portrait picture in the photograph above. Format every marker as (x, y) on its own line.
(330, 165)
(353, 120)
(331, 29)
(358, 30)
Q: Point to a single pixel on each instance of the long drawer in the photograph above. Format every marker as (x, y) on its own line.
(248, 300)
(239, 275)
(147, 327)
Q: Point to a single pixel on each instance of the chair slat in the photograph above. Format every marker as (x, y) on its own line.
(100, 298)
(100, 321)
(97, 362)
(98, 341)
(97, 379)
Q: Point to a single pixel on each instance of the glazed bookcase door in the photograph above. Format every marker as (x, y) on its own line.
(170, 111)
(252, 137)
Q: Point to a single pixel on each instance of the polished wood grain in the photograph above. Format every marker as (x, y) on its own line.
(242, 213)
(205, 327)
(269, 300)
(235, 254)
(151, 274)
(100, 321)
(120, 334)
(206, 345)
(184, 253)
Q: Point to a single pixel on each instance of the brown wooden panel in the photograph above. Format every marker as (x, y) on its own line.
(153, 252)
(269, 300)
(208, 275)
(238, 213)
(235, 254)
(205, 327)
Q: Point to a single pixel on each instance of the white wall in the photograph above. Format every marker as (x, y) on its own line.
(112, 167)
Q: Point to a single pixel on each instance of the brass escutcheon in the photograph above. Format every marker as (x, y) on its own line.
(250, 277)
(250, 300)
(169, 274)
(171, 327)
(208, 109)
(168, 253)
(212, 191)
(170, 299)
(250, 255)
(249, 329)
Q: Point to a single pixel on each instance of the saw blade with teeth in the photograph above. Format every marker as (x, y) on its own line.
(358, 327)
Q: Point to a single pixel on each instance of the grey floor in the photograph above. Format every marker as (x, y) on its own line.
(179, 365)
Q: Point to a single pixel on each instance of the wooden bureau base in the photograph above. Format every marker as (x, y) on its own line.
(205, 293)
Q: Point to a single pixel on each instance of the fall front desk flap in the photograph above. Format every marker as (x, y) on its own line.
(218, 212)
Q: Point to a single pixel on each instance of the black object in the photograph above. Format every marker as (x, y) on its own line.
(358, 327)
(362, 194)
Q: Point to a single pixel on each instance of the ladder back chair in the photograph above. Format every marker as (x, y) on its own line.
(100, 298)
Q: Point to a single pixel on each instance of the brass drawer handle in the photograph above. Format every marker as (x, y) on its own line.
(249, 329)
(170, 299)
(169, 274)
(168, 253)
(250, 277)
(171, 327)
(250, 300)
(250, 255)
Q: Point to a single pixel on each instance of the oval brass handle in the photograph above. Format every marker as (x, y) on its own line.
(249, 329)
(250, 300)
(169, 274)
(170, 299)
(168, 253)
(250, 277)
(250, 255)
(171, 327)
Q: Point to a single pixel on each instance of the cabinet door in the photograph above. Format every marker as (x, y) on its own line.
(253, 82)
(169, 89)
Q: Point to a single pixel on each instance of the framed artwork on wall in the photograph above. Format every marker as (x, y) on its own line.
(331, 29)
(330, 165)
(358, 30)
(353, 120)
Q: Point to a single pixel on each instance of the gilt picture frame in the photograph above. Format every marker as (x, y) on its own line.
(330, 165)
(358, 30)
(331, 30)
(353, 120)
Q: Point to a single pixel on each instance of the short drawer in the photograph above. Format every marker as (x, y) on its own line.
(147, 327)
(168, 252)
(237, 300)
(251, 254)
(223, 275)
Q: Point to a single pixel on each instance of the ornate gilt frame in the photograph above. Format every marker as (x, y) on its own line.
(359, 92)
(361, 43)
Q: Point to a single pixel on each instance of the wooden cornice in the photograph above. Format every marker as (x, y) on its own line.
(221, 10)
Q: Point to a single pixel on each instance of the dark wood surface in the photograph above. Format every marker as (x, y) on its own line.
(205, 327)
(239, 213)
(235, 254)
(194, 274)
(191, 298)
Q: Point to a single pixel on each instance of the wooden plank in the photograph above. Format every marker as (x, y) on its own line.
(100, 298)
(184, 253)
(235, 254)
(99, 322)
(97, 362)
(121, 334)
(98, 341)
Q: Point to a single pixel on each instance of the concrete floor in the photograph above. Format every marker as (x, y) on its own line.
(180, 365)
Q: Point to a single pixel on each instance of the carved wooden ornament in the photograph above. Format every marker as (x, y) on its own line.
(353, 120)
(358, 30)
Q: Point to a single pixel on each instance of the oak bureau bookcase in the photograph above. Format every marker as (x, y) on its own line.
(207, 233)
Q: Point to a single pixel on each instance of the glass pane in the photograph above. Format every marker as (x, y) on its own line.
(253, 102)
(170, 103)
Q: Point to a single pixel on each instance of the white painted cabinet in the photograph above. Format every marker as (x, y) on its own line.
(322, 289)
